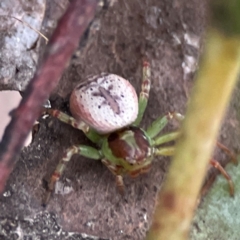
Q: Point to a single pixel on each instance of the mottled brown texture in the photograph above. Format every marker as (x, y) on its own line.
(169, 201)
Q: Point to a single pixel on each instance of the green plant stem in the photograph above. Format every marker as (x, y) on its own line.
(215, 81)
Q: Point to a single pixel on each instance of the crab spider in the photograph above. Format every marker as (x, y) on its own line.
(107, 110)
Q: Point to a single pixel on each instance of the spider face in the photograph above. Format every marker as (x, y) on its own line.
(107, 110)
(130, 152)
(130, 144)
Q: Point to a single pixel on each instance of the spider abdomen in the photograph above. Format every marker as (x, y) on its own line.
(105, 102)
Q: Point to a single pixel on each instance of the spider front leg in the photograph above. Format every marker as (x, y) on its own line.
(82, 150)
(169, 151)
(219, 167)
(228, 152)
(63, 117)
(160, 123)
(156, 127)
(144, 94)
(115, 170)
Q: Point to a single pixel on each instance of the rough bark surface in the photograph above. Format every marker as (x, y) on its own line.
(19, 43)
(169, 34)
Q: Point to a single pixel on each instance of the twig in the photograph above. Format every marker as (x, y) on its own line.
(64, 41)
(215, 82)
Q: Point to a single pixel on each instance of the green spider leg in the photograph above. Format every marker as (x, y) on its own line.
(152, 132)
(156, 127)
(86, 151)
(144, 94)
(78, 124)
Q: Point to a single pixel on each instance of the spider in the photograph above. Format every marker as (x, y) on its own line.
(106, 108)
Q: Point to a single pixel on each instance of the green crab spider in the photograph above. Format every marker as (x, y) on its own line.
(107, 110)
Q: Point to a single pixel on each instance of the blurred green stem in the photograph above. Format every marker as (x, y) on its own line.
(215, 82)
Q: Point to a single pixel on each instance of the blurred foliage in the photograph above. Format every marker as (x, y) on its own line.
(217, 76)
(226, 16)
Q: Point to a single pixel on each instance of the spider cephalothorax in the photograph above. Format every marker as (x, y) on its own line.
(131, 144)
(130, 151)
(106, 108)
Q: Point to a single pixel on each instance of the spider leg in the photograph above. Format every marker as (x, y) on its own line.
(165, 138)
(144, 94)
(120, 183)
(164, 151)
(169, 151)
(116, 171)
(157, 126)
(78, 124)
(228, 152)
(82, 150)
(218, 166)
